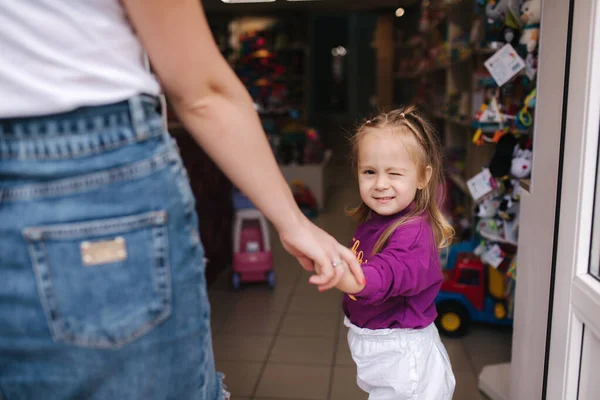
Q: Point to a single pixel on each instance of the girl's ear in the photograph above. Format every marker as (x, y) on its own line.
(426, 178)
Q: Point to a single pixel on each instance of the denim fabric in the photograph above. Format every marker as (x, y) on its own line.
(103, 294)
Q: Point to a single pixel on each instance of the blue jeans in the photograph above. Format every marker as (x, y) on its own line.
(102, 291)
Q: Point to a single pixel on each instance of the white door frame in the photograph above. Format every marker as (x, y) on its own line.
(538, 210)
(576, 296)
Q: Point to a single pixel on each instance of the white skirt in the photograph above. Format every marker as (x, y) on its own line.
(401, 364)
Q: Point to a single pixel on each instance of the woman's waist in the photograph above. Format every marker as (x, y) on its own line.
(80, 133)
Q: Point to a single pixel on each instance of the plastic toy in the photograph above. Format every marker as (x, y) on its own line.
(464, 297)
(252, 258)
(524, 117)
(313, 148)
(305, 199)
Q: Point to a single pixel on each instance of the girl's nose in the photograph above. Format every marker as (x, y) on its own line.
(381, 183)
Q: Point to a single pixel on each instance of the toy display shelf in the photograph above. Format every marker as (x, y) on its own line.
(434, 68)
(459, 181)
(497, 239)
(453, 120)
(312, 175)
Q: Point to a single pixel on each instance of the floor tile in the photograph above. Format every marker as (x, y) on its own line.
(344, 385)
(256, 300)
(458, 356)
(466, 387)
(241, 347)
(222, 300)
(252, 324)
(342, 355)
(218, 320)
(240, 377)
(328, 303)
(309, 325)
(302, 350)
(294, 382)
(486, 345)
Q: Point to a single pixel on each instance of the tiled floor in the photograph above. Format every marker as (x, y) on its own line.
(290, 343)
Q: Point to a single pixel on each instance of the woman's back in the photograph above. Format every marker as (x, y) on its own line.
(60, 55)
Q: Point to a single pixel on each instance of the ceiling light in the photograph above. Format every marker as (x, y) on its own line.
(246, 1)
(399, 12)
(339, 51)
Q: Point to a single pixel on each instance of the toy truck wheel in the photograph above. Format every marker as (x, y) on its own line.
(271, 279)
(236, 281)
(453, 319)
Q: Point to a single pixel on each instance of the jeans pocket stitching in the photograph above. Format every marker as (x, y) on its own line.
(36, 237)
(90, 181)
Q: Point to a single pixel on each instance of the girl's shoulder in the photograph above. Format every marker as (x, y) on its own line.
(414, 232)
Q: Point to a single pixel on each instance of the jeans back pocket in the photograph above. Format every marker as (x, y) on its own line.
(103, 283)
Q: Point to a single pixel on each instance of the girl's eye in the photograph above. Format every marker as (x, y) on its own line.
(368, 172)
(395, 174)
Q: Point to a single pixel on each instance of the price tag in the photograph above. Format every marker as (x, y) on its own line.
(504, 64)
(480, 185)
(494, 256)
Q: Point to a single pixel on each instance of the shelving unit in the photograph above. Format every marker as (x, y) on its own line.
(449, 96)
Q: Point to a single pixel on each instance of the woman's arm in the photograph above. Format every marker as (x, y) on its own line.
(217, 110)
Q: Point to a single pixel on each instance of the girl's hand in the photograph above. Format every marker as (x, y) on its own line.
(317, 251)
(348, 283)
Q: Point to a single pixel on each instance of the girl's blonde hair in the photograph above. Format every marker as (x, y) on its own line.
(407, 122)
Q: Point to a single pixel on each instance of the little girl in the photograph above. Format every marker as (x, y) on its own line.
(392, 335)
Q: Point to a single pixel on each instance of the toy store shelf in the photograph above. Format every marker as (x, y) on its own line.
(434, 26)
(484, 51)
(449, 4)
(459, 181)
(494, 129)
(311, 175)
(525, 184)
(453, 120)
(408, 45)
(494, 381)
(433, 69)
(497, 239)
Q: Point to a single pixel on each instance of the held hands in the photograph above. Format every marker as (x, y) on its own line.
(317, 251)
(348, 283)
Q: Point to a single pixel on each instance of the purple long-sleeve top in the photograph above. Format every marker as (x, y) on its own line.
(402, 280)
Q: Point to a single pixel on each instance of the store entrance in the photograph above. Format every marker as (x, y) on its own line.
(490, 77)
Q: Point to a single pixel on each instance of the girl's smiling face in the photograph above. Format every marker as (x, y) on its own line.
(388, 174)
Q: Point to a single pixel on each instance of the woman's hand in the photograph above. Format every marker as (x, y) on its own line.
(317, 251)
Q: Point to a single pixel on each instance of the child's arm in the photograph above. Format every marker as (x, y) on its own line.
(348, 283)
(403, 268)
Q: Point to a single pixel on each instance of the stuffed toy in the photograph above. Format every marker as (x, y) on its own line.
(495, 12)
(507, 209)
(522, 159)
(510, 31)
(501, 162)
(487, 208)
(531, 14)
(511, 161)
(489, 219)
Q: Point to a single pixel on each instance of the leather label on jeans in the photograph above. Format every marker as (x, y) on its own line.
(103, 252)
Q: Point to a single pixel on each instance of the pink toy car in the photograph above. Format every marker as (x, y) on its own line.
(252, 259)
